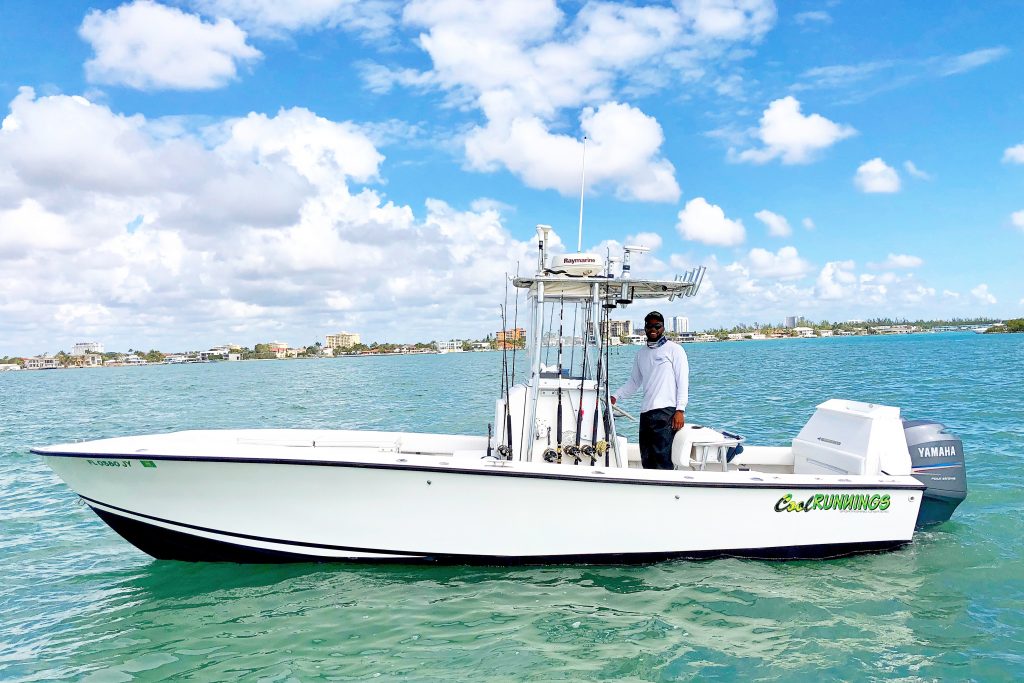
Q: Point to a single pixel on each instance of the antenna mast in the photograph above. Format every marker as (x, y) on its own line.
(583, 187)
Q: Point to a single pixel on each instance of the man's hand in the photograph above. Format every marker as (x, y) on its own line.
(678, 420)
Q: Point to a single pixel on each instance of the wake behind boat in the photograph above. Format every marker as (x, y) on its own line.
(552, 481)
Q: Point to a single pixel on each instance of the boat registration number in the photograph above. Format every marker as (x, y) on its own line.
(120, 463)
(110, 463)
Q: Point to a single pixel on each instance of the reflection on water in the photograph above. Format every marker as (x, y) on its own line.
(77, 603)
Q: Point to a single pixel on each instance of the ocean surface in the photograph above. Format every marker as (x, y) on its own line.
(78, 603)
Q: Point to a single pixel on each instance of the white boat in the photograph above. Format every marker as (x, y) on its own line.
(553, 482)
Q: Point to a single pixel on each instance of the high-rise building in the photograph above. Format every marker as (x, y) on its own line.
(618, 328)
(680, 323)
(790, 321)
(82, 348)
(342, 340)
(510, 339)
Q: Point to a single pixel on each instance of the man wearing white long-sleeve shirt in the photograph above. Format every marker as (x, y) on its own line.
(662, 370)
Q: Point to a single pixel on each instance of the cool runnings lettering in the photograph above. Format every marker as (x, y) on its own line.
(834, 501)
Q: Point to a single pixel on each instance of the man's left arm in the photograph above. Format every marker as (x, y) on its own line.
(681, 368)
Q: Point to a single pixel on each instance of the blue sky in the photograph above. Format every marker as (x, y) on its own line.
(189, 173)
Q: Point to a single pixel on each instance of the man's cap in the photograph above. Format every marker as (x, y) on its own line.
(654, 315)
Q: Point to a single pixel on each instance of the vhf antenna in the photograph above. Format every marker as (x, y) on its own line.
(583, 187)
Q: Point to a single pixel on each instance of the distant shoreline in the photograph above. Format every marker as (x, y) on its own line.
(9, 367)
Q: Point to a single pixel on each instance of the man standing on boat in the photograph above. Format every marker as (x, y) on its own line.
(662, 370)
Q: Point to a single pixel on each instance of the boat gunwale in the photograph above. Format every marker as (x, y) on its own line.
(500, 469)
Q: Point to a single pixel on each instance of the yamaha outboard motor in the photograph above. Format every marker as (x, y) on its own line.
(937, 461)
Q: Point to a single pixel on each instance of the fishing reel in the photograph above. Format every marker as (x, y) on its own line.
(573, 452)
(552, 456)
(505, 451)
(589, 452)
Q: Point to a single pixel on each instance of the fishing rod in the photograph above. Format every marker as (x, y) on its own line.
(515, 330)
(558, 419)
(572, 349)
(583, 375)
(607, 388)
(597, 390)
(505, 449)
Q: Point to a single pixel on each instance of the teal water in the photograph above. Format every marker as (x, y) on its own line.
(78, 603)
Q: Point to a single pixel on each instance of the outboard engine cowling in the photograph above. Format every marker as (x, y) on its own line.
(937, 461)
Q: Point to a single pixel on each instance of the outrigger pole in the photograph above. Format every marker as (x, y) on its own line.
(583, 185)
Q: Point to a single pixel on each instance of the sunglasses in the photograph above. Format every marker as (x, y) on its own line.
(655, 326)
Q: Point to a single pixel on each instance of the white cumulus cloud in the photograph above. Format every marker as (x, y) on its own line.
(706, 223)
(1017, 219)
(897, 262)
(778, 226)
(876, 176)
(1014, 155)
(982, 295)
(808, 224)
(836, 281)
(149, 46)
(786, 264)
(792, 137)
(622, 151)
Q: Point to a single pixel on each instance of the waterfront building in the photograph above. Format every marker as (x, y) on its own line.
(616, 328)
(42, 363)
(510, 339)
(790, 321)
(450, 345)
(82, 348)
(680, 324)
(804, 331)
(342, 340)
(895, 329)
(5, 367)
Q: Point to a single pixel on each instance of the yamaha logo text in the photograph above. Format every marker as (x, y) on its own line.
(936, 451)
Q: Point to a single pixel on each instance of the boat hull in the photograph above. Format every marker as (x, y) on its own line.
(262, 510)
